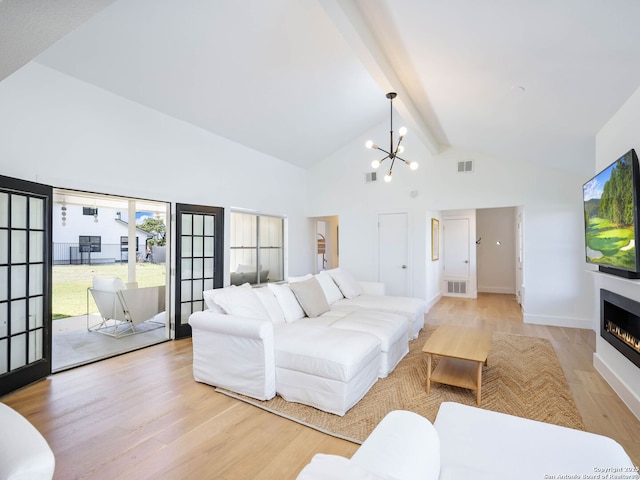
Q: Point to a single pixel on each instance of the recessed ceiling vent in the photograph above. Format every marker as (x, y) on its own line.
(370, 177)
(465, 166)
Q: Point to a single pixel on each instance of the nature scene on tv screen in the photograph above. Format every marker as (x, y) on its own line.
(609, 217)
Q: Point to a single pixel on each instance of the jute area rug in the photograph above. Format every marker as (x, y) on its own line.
(523, 377)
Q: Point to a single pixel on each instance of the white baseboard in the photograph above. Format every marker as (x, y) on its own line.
(568, 322)
(433, 301)
(502, 290)
(621, 389)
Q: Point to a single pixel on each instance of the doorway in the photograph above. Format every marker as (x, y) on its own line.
(326, 234)
(102, 238)
(482, 251)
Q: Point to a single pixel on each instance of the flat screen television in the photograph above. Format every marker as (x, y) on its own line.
(611, 217)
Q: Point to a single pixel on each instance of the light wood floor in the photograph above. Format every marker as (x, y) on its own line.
(141, 415)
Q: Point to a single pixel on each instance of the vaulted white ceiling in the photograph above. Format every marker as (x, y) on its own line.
(524, 80)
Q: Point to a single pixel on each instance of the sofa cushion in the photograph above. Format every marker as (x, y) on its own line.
(270, 303)
(389, 328)
(348, 285)
(329, 287)
(287, 301)
(498, 445)
(324, 352)
(412, 308)
(241, 301)
(311, 297)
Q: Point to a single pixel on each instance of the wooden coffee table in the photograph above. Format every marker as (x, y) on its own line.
(464, 351)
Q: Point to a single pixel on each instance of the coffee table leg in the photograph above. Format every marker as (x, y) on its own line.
(479, 381)
(428, 373)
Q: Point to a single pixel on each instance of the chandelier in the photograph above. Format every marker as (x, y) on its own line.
(392, 154)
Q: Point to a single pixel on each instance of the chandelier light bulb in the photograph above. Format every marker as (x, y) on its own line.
(369, 144)
(387, 177)
(402, 131)
(401, 149)
(413, 165)
(375, 164)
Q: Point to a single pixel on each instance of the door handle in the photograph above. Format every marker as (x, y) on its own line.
(404, 266)
(466, 261)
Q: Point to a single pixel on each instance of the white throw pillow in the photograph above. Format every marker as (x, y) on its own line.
(288, 302)
(329, 287)
(210, 298)
(246, 268)
(270, 303)
(311, 297)
(348, 285)
(241, 301)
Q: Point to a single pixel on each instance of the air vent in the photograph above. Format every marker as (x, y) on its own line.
(459, 287)
(465, 166)
(371, 177)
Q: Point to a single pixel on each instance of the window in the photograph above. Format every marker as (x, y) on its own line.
(90, 244)
(90, 211)
(257, 248)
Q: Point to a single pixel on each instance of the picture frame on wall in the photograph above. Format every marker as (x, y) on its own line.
(435, 239)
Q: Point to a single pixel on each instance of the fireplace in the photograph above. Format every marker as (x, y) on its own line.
(620, 324)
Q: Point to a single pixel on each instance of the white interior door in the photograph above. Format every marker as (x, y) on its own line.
(456, 251)
(393, 253)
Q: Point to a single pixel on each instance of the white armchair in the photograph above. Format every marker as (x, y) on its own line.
(24, 452)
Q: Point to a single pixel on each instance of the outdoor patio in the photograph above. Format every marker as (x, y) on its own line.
(74, 345)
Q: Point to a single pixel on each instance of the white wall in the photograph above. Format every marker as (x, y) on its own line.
(68, 134)
(558, 288)
(618, 136)
(65, 133)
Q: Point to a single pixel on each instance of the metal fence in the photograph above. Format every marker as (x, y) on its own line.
(76, 254)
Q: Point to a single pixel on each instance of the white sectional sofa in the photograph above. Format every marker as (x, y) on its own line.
(471, 443)
(322, 340)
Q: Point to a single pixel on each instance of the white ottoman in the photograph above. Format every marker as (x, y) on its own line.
(327, 368)
(24, 453)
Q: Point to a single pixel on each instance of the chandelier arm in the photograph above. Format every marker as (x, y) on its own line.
(382, 160)
(400, 158)
(383, 150)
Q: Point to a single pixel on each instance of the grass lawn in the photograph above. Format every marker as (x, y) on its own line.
(70, 283)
